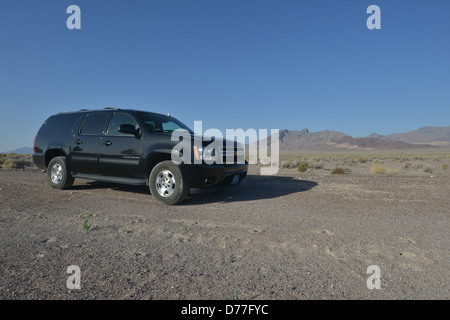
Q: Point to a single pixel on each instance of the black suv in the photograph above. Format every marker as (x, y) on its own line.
(132, 147)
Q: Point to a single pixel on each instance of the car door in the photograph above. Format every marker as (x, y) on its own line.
(120, 153)
(85, 148)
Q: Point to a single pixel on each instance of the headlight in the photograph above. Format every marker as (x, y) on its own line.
(205, 154)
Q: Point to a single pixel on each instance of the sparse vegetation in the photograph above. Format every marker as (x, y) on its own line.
(86, 224)
(378, 168)
(362, 159)
(13, 164)
(15, 161)
(337, 170)
(383, 162)
(303, 167)
(406, 165)
(318, 165)
(428, 170)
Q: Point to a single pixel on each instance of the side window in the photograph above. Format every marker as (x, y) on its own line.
(119, 119)
(169, 126)
(151, 125)
(94, 124)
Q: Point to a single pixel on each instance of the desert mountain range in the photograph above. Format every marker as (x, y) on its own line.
(426, 137)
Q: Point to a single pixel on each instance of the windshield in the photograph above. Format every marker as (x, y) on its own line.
(160, 123)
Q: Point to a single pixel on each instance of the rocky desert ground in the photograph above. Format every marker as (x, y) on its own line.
(294, 236)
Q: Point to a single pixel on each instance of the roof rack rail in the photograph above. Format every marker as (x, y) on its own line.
(84, 110)
(107, 108)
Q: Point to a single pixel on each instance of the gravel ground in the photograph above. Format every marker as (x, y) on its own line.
(290, 236)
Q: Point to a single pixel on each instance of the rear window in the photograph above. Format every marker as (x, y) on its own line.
(61, 123)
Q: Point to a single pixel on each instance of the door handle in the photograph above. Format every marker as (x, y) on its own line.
(108, 143)
(78, 141)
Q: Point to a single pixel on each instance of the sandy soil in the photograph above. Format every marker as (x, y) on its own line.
(296, 235)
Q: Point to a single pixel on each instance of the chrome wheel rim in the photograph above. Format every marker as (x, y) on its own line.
(56, 173)
(165, 183)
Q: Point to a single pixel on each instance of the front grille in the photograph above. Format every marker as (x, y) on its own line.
(232, 155)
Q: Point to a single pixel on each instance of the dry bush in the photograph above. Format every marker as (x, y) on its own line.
(406, 165)
(318, 165)
(378, 168)
(291, 163)
(362, 159)
(428, 170)
(337, 170)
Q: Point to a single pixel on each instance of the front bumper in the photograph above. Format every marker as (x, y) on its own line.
(216, 175)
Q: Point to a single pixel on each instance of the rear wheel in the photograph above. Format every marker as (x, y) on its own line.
(168, 183)
(59, 176)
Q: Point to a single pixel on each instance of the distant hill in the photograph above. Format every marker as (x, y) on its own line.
(306, 139)
(370, 143)
(430, 135)
(335, 140)
(23, 150)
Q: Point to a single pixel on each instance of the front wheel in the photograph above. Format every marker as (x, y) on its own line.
(59, 176)
(168, 183)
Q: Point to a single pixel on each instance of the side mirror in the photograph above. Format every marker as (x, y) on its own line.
(128, 129)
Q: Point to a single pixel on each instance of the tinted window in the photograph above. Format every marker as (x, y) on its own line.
(60, 123)
(94, 124)
(159, 123)
(119, 119)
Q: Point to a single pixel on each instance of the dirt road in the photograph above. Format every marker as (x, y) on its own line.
(290, 236)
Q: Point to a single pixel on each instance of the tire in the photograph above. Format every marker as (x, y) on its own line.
(168, 183)
(59, 176)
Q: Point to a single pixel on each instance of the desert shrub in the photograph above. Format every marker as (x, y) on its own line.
(13, 164)
(378, 168)
(303, 167)
(444, 166)
(362, 159)
(428, 170)
(418, 166)
(337, 170)
(284, 164)
(406, 165)
(317, 165)
(290, 163)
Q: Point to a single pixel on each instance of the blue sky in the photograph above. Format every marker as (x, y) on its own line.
(232, 64)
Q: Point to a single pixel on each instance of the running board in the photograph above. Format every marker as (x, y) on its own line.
(130, 181)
